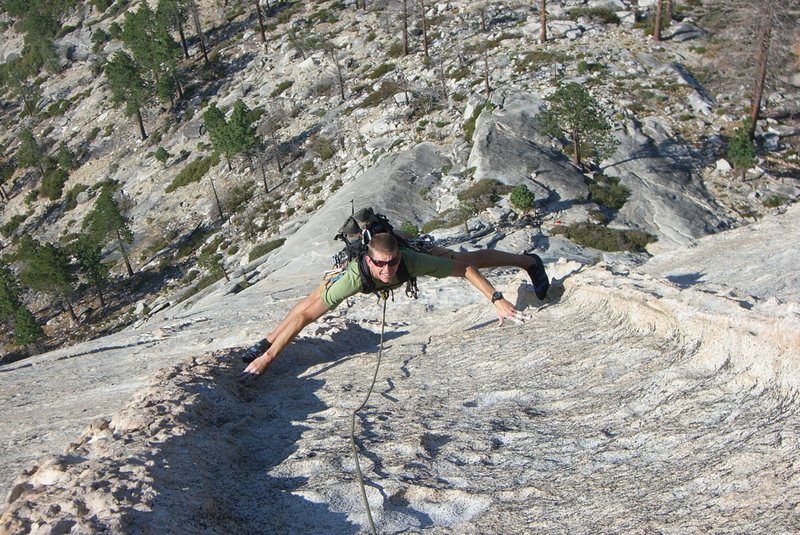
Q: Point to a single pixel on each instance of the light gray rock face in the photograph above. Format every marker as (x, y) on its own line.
(628, 404)
(667, 198)
(508, 147)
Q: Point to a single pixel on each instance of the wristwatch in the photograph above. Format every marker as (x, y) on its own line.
(496, 296)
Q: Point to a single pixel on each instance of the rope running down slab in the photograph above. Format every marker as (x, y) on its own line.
(384, 295)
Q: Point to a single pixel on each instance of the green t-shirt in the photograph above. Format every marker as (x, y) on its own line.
(349, 281)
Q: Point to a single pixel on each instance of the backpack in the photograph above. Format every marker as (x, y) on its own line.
(357, 231)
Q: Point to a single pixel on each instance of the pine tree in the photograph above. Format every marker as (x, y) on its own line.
(217, 126)
(240, 131)
(740, 149)
(88, 254)
(26, 330)
(162, 155)
(30, 153)
(575, 112)
(127, 86)
(106, 223)
(65, 158)
(47, 270)
(9, 292)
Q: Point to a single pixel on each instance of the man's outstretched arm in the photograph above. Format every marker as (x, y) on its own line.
(310, 310)
(503, 308)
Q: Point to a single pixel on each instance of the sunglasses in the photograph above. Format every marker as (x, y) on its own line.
(383, 263)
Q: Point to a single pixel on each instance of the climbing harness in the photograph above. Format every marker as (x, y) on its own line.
(384, 294)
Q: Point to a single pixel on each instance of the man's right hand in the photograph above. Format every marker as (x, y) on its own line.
(256, 368)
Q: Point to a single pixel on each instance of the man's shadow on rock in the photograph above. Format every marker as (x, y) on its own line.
(242, 467)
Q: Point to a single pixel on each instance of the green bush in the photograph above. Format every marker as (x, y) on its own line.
(774, 201)
(12, 224)
(264, 248)
(604, 238)
(193, 172)
(283, 86)
(603, 14)
(409, 228)
(71, 200)
(53, 183)
(522, 198)
(608, 192)
(381, 70)
(469, 124)
(395, 49)
(483, 194)
(386, 90)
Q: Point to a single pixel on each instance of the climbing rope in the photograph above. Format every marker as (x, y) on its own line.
(385, 296)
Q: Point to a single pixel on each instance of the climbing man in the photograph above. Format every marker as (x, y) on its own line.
(387, 265)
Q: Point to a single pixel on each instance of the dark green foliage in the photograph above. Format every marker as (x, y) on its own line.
(193, 172)
(381, 70)
(483, 194)
(324, 148)
(89, 257)
(106, 222)
(46, 269)
(522, 198)
(283, 86)
(115, 30)
(102, 5)
(386, 90)
(574, 112)
(9, 292)
(603, 14)
(53, 183)
(65, 157)
(740, 148)
(774, 201)
(604, 238)
(30, 153)
(469, 124)
(410, 228)
(26, 330)
(126, 83)
(217, 126)
(608, 192)
(264, 248)
(241, 133)
(12, 224)
(162, 156)
(71, 199)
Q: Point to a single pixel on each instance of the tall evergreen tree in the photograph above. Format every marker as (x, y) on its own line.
(241, 131)
(217, 126)
(740, 149)
(47, 270)
(128, 87)
(9, 292)
(26, 329)
(30, 153)
(171, 14)
(106, 223)
(573, 111)
(88, 254)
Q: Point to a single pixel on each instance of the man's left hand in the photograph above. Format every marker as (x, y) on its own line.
(507, 310)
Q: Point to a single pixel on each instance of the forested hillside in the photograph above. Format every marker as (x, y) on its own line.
(150, 149)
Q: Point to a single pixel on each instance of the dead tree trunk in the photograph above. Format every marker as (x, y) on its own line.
(543, 22)
(657, 23)
(762, 58)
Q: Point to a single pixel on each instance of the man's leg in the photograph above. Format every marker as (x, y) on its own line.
(257, 349)
(488, 258)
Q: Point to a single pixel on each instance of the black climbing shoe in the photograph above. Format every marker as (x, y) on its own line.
(255, 351)
(539, 278)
